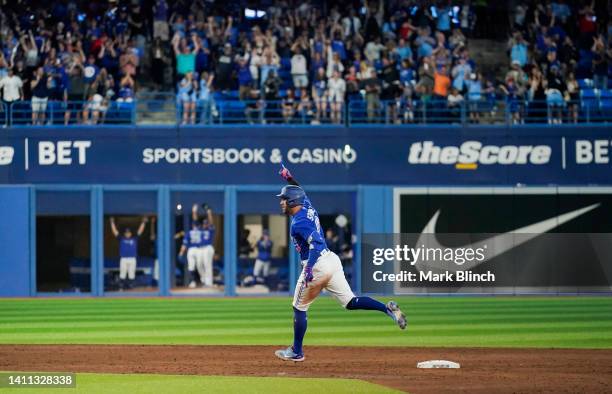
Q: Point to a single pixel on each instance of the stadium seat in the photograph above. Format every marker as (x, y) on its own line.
(589, 103)
(585, 83)
(605, 100)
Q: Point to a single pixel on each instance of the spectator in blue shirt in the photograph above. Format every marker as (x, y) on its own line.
(403, 51)
(518, 49)
(245, 78)
(443, 21)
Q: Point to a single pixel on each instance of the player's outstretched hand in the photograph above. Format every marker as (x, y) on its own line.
(284, 172)
(308, 275)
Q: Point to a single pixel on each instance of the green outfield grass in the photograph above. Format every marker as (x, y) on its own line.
(566, 322)
(142, 383)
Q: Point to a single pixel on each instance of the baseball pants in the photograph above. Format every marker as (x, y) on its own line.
(207, 266)
(261, 268)
(329, 275)
(127, 268)
(195, 260)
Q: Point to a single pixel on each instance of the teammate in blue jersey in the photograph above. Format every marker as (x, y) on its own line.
(128, 252)
(322, 268)
(198, 242)
(264, 257)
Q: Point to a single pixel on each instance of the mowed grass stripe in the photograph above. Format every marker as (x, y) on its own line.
(467, 321)
(147, 383)
(355, 330)
(265, 312)
(416, 324)
(92, 320)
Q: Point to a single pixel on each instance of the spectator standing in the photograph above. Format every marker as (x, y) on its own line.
(186, 98)
(319, 95)
(299, 67)
(555, 91)
(337, 90)
(600, 63)
(12, 89)
(455, 101)
(225, 68)
(442, 84)
(289, 105)
(572, 97)
(185, 57)
(474, 96)
(41, 85)
(372, 91)
(391, 89)
(75, 93)
(245, 78)
(160, 20)
(205, 99)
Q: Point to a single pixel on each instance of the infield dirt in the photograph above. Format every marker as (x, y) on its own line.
(484, 370)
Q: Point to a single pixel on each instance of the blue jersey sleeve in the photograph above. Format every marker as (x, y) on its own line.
(308, 230)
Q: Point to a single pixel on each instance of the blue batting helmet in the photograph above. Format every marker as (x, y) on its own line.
(294, 195)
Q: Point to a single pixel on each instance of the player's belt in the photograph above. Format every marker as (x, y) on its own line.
(323, 253)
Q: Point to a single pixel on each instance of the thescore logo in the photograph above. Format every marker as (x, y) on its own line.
(474, 153)
(61, 152)
(6, 155)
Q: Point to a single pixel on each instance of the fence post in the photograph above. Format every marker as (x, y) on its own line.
(346, 113)
(507, 114)
(133, 112)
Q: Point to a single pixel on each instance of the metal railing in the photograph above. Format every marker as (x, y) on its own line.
(55, 113)
(3, 115)
(506, 112)
(165, 109)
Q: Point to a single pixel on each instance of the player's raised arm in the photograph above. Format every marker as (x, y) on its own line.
(209, 215)
(141, 228)
(286, 175)
(194, 213)
(114, 227)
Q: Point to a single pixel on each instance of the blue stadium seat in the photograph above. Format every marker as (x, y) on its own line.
(605, 100)
(585, 83)
(285, 63)
(589, 103)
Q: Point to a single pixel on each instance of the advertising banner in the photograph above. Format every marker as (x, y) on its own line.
(410, 156)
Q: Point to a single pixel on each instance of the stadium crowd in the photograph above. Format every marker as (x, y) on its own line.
(303, 59)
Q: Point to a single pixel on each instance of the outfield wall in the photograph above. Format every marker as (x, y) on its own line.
(357, 170)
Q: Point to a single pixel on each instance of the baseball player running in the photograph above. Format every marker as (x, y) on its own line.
(322, 268)
(128, 251)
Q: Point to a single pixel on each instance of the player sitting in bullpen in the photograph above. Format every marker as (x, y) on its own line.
(322, 268)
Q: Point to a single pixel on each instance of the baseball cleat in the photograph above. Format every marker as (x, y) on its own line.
(192, 285)
(289, 355)
(397, 314)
